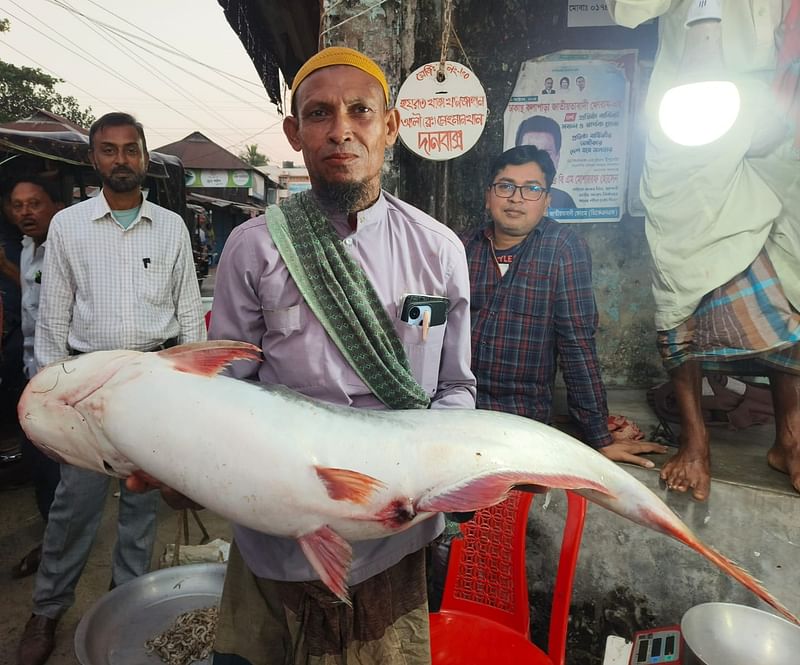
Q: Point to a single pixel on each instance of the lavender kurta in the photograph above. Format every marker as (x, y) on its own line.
(403, 251)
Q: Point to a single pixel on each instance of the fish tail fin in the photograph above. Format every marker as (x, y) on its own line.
(743, 577)
(491, 489)
(678, 530)
(329, 555)
(209, 358)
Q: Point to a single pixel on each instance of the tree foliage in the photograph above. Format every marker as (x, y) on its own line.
(252, 156)
(25, 89)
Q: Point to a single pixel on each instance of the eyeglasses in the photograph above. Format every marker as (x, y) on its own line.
(505, 190)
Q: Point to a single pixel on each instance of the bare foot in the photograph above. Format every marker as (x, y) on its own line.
(786, 459)
(690, 468)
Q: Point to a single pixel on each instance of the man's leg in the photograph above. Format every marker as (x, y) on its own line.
(71, 528)
(136, 534)
(45, 473)
(785, 453)
(691, 467)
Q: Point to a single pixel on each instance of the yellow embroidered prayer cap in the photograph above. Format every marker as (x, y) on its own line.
(341, 55)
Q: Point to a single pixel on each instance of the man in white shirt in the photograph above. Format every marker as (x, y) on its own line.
(33, 202)
(723, 226)
(118, 274)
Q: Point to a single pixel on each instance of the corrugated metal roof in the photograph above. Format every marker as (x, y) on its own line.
(197, 151)
(44, 121)
(224, 203)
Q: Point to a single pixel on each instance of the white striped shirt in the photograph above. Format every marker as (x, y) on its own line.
(105, 287)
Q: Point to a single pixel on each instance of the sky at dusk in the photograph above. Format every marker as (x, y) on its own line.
(176, 65)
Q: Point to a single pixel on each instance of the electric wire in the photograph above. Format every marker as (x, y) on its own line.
(132, 39)
(55, 74)
(155, 44)
(159, 75)
(127, 37)
(106, 69)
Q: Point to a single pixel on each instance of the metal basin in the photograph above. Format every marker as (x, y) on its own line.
(115, 628)
(729, 634)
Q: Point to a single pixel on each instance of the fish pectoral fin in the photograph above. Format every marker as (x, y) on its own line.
(330, 556)
(491, 489)
(348, 485)
(209, 358)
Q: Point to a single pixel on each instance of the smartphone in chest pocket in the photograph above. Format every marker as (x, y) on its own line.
(417, 306)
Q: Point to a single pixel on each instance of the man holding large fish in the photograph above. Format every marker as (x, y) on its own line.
(272, 290)
(118, 274)
(333, 504)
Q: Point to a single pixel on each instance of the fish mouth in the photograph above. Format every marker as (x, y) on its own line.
(51, 453)
(74, 396)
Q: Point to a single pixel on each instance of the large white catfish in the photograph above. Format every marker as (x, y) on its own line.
(283, 464)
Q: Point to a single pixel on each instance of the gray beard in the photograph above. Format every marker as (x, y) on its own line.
(344, 197)
(122, 184)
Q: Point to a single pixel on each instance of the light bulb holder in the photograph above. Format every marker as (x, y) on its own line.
(702, 57)
(704, 10)
(703, 105)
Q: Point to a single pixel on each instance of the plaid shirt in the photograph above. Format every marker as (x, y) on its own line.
(542, 310)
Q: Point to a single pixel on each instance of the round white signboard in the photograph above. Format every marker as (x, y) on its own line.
(441, 119)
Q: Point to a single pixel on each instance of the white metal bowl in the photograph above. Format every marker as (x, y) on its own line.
(729, 634)
(116, 627)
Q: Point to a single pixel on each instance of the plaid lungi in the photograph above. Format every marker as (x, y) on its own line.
(265, 622)
(746, 326)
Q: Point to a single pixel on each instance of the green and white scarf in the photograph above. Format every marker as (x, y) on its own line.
(341, 296)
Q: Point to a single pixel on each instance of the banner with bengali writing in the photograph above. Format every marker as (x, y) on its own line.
(582, 14)
(576, 105)
(441, 119)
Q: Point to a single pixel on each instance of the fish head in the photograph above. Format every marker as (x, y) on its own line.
(60, 411)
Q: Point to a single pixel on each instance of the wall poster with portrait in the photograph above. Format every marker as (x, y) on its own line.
(576, 104)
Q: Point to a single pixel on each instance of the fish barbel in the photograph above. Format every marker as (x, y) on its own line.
(277, 462)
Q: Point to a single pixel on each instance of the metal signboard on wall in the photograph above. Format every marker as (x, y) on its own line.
(218, 178)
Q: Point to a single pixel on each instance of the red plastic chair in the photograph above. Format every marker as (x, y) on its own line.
(485, 616)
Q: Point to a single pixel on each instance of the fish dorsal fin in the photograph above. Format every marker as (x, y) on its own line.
(209, 358)
(347, 485)
(329, 555)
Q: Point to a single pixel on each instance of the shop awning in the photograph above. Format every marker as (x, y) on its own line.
(202, 199)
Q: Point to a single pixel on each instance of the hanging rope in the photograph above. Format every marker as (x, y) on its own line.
(447, 26)
(463, 52)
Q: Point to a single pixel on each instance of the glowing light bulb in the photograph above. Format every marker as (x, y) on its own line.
(699, 113)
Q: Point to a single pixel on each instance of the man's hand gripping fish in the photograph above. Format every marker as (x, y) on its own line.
(277, 462)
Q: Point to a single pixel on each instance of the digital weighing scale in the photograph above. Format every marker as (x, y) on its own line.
(656, 646)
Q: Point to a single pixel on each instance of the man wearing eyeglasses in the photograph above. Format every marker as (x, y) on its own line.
(532, 305)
